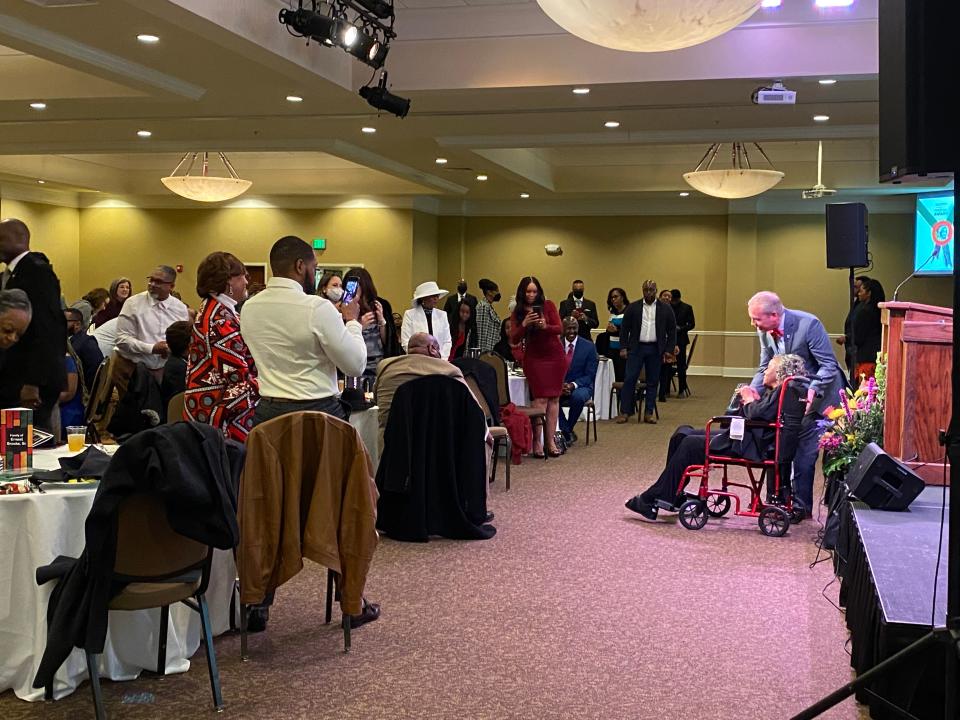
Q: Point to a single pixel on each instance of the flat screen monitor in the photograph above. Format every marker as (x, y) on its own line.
(933, 235)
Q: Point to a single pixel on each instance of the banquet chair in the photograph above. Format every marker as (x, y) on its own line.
(617, 388)
(501, 438)
(536, 416)
(673, 380)
(161, 567)
(175, 408)
(591, 410)
(97, 412)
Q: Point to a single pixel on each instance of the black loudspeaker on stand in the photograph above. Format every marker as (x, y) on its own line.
(883, 482)
(917, 65)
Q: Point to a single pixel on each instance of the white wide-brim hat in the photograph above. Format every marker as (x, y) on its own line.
(427, 289)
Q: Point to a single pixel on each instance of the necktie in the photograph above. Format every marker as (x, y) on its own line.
(429, 322)
(4, 277)
(569, 350)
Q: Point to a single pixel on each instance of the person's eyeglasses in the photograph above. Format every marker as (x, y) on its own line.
(158, 281)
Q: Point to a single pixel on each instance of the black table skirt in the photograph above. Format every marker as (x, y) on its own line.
(917, 685)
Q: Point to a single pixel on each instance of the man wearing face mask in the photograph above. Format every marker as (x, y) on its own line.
(451, 306)
(299, 339)
(423, 358)
(583, 310)
(488, 322)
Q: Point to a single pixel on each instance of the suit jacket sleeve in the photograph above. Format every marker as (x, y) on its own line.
(764, 409)
(590, 312)
(671, 329)
(41, 350)
(766, 354)
(587, 375)
(627, 329)
(692, 322)
(406, 330)
(819, 344)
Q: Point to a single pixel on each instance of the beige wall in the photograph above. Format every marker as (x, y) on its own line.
(426, 230)
(121, 241)
(54, 231)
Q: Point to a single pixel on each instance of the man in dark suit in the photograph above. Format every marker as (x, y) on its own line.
(581, 374)
(84, 345)
(582, 310)
(648, 333)
(688, 446)
(34, 370)
(685, 323)
(453, 302)
(783, 331)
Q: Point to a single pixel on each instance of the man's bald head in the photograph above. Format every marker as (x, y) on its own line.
(14, 238)
(423, 344)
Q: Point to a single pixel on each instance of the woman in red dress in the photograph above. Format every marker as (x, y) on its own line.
(221, 378)
(536, 320)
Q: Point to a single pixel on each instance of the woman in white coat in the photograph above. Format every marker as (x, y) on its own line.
(424, 317)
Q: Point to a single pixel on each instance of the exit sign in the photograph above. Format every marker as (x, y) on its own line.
(319, 243)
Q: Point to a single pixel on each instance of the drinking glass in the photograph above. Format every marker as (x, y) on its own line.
(76, 437)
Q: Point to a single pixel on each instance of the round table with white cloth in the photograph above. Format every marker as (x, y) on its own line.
(37, 527)
(520, 391)
(365, 421)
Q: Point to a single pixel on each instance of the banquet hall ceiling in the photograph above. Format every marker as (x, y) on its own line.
(490, 82)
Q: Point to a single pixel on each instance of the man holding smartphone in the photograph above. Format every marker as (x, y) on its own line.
(298, 339)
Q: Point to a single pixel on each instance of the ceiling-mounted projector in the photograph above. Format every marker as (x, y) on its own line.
(776, 94)
(819, 190)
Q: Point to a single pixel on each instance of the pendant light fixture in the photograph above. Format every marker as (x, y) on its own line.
(648, 25)
(205, 187)
(739, 181)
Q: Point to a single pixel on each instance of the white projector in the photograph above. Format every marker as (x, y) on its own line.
(774, 96)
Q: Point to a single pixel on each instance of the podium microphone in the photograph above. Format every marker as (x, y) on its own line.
(934, 254)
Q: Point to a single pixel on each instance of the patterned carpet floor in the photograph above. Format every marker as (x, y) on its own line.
(574, 610)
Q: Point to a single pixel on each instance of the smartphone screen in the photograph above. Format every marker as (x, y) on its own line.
(350, 286)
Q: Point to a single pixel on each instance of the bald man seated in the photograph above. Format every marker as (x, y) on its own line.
(422, 358)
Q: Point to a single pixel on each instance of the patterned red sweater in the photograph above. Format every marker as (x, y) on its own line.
(221, 376)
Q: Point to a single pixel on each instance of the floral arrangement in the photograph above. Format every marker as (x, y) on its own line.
(855, 422)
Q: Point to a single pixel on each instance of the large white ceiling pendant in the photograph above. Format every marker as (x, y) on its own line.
(205, 187)
(739, 181)
(648, 25)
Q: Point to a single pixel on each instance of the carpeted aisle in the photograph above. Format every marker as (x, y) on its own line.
(575, 609)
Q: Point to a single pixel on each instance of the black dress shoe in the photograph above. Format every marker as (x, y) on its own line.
(371, 611)
(637, 504)
(257, 619)
(489, 516)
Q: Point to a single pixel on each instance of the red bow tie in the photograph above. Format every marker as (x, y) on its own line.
(776, 334)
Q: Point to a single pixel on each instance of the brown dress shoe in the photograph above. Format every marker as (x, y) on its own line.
(649, 419)
(621, 419)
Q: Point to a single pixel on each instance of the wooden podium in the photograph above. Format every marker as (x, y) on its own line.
(918, 341)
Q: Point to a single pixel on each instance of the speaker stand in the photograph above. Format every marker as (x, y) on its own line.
(948, 637)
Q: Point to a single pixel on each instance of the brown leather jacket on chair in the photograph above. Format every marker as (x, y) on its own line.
(307, 491)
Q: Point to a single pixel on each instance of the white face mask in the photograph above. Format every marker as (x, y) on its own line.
(334, 294)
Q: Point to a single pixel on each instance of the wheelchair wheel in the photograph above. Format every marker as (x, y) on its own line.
(718, 505)
(693, 514)
(774, 521)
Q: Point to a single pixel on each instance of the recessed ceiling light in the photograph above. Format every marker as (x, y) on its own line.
(42, 182)
(581, 91)
(482, 178)
(148, 39)
(833, 3)
(827, 81)
(771, 3)
(524, 195)
(684, 194)
(441, 161)
(611, 124)
(38, 105)
(294, 98)
(821, 118)
(368, 130)
(144, 133)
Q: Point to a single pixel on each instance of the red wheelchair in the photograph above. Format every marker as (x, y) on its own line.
(778, 510)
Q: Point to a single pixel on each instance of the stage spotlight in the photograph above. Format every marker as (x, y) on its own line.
(367, 49)
(382, 99)
(310, 24)
(379, 8)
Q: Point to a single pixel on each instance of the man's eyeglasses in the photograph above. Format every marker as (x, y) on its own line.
(158, 281)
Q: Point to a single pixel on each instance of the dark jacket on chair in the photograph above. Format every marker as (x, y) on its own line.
(486, 378)
(633, 321)
(195, 472)
(432, 470)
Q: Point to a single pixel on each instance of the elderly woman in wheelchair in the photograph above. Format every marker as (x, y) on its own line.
(764, 417)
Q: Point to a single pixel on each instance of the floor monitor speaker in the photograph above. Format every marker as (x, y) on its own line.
(881, 481)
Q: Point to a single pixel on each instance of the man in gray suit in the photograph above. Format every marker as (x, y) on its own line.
(784, 331)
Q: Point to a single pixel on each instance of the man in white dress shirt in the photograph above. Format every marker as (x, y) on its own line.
(142, 327)
(298, 339)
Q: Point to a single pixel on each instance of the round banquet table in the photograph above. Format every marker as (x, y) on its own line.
(365, 422)
(520, 391)
(37, 527)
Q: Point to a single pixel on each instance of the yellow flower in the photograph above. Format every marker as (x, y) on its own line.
(837, 414)
(859, 393)
(852, 404)
(850, 438)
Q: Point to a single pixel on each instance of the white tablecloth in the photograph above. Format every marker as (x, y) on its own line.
(365, 421)
(520, 392)
(36, 528)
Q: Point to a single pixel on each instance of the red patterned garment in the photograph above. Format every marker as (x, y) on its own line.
(221, 377)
